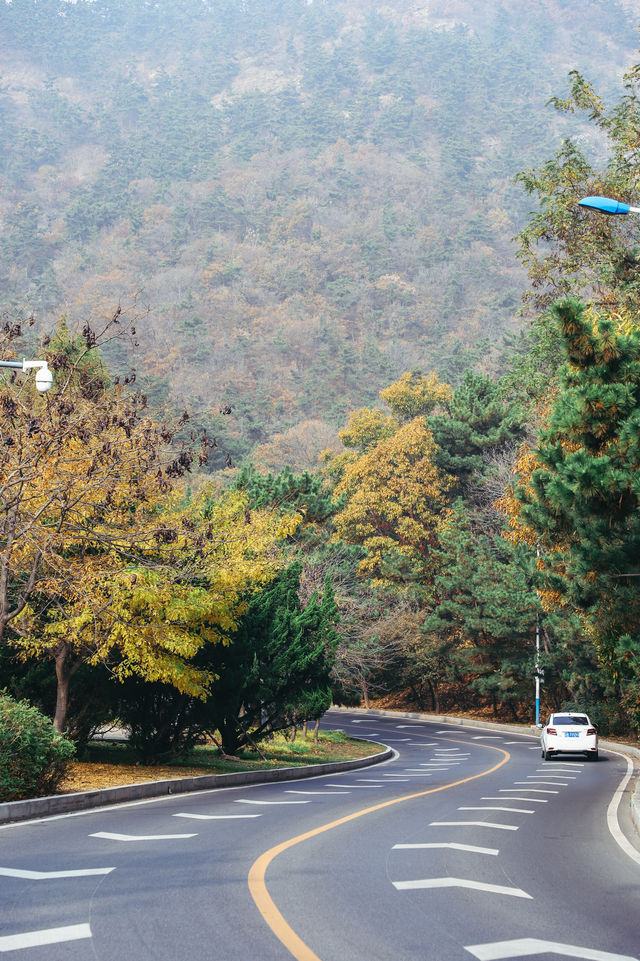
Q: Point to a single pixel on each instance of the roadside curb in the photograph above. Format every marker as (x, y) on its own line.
(13, 811)
(530, 730)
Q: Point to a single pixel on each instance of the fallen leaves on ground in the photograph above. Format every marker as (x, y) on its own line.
(87, 776)
(93, 775)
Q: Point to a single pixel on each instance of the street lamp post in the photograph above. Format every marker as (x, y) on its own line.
(608, 206)
(44, 377)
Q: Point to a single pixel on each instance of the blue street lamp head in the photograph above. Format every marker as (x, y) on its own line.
(605, 205)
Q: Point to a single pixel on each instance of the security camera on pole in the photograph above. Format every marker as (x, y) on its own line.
(44, 377)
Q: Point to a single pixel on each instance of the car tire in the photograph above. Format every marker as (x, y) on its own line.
(547, 755)
(592, 755)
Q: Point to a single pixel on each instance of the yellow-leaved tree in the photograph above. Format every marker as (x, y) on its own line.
(394, 492)
(101, 560)
(394, 495)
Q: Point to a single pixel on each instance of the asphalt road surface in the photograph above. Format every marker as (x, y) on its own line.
(466, 845)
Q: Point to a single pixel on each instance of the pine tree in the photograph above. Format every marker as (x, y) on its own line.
(484, 610)
(276, 670)
(478, 419)
(583, 499)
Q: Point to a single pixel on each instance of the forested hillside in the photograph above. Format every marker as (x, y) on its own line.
(316, 201)
(310, 197)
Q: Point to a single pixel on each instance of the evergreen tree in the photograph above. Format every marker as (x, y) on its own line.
(582, 502)
(304, 493)
(484, 611)
(276, 670)
(478, 419)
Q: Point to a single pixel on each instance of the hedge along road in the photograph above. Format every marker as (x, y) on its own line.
(465, 845)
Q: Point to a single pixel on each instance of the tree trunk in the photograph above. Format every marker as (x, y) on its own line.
(315, 731)
(434, 696)
(63, 675)
(304, 731)
(365, 693)
(417, 697)
(229, 739)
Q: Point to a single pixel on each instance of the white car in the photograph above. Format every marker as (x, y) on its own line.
(569, 732)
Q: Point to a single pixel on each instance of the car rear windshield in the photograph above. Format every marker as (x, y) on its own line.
(571, 719)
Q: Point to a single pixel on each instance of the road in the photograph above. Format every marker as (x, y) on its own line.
(466, 845)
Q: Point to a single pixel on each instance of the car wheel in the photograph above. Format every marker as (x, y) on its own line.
(592, 755)
(546, 755)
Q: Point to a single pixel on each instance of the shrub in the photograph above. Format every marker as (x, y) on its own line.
(33, 757)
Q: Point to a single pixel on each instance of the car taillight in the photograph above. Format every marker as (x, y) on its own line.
(551, 730)
(591, 730)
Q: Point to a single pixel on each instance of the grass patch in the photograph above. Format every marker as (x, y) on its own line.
(107, 764)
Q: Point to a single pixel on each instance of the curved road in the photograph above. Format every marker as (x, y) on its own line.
(466, 845)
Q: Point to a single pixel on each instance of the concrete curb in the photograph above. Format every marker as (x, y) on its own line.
(444, 719)
(528, 729)
(12, 811)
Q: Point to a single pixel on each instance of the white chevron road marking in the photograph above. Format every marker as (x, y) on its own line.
(217, 817)
(35, 939)
(530, 790)
(49, 875)
(247, 801)
(569, 777)
(108, 836)
(529, 800)
(472, 848)
(526, 947)
(460, 883)
(322, 793)
(558, 783)
(361, 787)
(475, 824)
(488, 807)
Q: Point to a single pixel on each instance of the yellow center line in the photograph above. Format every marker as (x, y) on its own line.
(257, 881)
